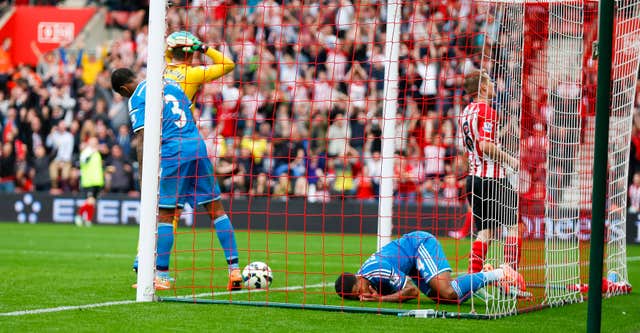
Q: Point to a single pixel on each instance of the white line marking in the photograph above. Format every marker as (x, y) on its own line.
(247, 291)
(98, 305)
(632, 259)
(65, 308)
(79, 253)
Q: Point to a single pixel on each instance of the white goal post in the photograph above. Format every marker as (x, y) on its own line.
(152, 133)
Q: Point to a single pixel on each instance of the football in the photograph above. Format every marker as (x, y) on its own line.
(257, 275)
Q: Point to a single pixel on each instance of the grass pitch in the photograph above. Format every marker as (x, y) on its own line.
(45, 267)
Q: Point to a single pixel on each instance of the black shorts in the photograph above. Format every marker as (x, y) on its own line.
(92, 191)
(493, 201)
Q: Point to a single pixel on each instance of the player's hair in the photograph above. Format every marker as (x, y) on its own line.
(473, 79)
(178, 53)
(345, 284)
(120, 77)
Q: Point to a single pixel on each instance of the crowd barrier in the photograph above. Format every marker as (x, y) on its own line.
(294, 214)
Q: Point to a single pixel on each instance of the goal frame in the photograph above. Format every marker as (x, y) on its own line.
(151, 147)
(600, 180)
(152, 135)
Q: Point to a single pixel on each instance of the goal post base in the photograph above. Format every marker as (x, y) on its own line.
(420, 313)
(431, 313)
(320, 307)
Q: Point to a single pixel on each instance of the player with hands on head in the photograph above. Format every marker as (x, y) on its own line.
(416, 263)
(492, 199)
(186, 173)
(181, 46)
(184, 41)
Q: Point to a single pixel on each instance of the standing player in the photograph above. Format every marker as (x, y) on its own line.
(181, 46)
(492, 199)
(416, 263)
(186, 174)
(91, 181)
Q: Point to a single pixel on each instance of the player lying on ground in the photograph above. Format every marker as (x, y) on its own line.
(186, 172)
(493, 201)
(416, 263)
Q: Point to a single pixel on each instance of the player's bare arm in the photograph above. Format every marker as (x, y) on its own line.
(495, 153)
(368, 293)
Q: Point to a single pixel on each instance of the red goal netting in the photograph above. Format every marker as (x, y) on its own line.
(295, 134)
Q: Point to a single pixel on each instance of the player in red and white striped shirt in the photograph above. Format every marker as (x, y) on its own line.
(492, 198)
(479, 124)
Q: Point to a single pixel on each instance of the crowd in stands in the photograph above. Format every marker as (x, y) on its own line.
(300, 116)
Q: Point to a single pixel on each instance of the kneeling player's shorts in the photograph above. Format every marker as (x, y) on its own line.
(430, 259)
(191, 182)
(493, 201)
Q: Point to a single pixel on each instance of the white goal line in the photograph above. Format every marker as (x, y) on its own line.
(98, 305)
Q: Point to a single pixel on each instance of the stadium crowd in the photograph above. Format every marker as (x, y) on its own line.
(300, 116)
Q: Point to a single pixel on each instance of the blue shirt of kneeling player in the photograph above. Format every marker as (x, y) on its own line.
(416, 263)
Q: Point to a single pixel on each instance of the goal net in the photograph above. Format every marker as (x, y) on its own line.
(340, 122)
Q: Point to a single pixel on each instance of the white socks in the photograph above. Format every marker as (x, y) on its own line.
(494, 275)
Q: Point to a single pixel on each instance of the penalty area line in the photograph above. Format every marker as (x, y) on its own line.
(124, 302)
(64, 308)
(253, 291)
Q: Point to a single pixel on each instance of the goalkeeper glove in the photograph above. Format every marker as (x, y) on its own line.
(198, 46)
(184, 39)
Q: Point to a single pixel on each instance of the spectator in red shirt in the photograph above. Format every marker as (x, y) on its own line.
(407, 169)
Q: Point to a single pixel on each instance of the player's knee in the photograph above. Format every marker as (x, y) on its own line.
(448, 294)
(216, 209)
(217, 212)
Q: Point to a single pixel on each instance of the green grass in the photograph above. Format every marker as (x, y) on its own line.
(45, 266)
